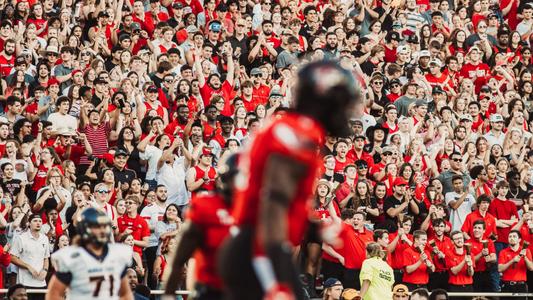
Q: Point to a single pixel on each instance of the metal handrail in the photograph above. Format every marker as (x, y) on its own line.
(161, 292)
(43, 291)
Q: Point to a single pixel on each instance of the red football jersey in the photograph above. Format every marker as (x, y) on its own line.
(294, 136)
(210, 213)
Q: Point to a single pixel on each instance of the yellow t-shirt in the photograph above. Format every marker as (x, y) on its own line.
(381, 277)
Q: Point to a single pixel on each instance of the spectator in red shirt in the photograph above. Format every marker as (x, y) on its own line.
(346, 190)
(418, 262)
(461, 265)
(260, 90)
(7, 57)
(513, 263)
(481, 213)
(393, 41)
(483, 253)
(440, 246)
(505, 213)
(476, 69)
(213, 84)
(399, 241)
(351, 254)
(132, 223)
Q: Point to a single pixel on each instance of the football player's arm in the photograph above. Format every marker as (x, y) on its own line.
(125, 291)
(191, 239)
(56, 289)
(281, 180)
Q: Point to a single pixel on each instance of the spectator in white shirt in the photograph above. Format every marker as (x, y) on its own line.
(152, 153)
(525, 27)
(495, 135)
(461, 203)
(30, 252)
(171, 170)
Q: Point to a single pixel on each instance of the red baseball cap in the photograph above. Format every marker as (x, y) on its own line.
(52, 81)
(207, 151)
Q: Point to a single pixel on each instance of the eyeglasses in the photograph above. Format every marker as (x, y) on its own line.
(378, 82)
(130, 202)
(362, 167)
(103, 191)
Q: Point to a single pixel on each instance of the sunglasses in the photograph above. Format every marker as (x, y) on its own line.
(103, 191)
(362, 167)
(386, 154)
(457, 159)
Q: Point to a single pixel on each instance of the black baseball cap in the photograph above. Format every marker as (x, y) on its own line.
(393, 36)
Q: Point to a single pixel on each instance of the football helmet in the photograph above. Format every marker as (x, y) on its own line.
(90, 218)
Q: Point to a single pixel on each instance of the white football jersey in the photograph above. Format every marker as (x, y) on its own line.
(89, 277)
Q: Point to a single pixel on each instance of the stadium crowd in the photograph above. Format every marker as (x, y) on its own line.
(130, 106)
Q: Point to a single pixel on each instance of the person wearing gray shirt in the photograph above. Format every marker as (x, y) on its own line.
(289, 56)
(456, 163)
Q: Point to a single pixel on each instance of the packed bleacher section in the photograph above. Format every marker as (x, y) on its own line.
(129, 106)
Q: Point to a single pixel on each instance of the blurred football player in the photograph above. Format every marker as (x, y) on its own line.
(96, 268)
(275, 182)
(207, 225)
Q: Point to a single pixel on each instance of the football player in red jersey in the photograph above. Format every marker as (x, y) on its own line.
(275, 182)
(207, 226)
